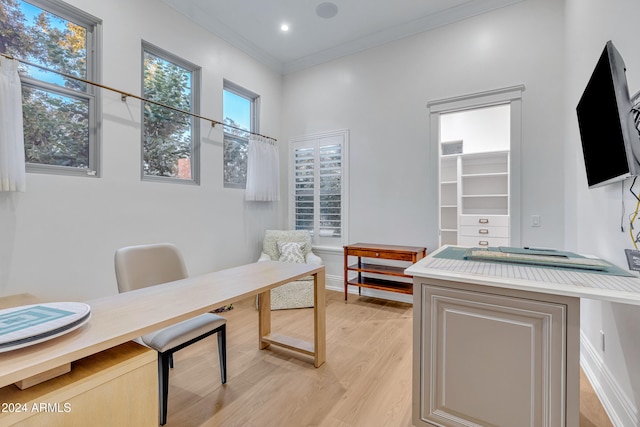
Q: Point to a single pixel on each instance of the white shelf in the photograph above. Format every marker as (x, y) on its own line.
(482, 175)
(449, 237)
(485, 163)
(472, 196)
(449, 223)
(472, 184)
(485, 211)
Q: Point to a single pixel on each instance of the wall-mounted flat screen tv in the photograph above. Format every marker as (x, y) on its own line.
(610, 140)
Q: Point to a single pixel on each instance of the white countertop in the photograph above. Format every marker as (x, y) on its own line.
(548, 280)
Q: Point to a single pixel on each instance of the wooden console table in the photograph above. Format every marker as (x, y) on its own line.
(120, 318)
(387, 252)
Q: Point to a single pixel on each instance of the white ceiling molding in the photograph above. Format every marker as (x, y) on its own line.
(266, 46)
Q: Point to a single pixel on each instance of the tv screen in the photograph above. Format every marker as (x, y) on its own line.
(609, 137)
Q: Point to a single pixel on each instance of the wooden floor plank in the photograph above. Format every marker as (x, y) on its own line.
(366, 381)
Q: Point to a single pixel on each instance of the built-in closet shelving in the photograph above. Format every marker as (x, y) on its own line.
(474, 199)
(449, 199)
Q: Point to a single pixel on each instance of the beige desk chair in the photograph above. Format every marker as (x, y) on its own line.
(147, 265)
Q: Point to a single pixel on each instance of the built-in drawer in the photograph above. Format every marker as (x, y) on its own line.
(485, 220)
(400, 256)
(481, 230)
(482, 241)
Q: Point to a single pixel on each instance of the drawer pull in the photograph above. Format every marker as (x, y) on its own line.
(377, 254)
(483, 231)
(483, 221)
(483, 243)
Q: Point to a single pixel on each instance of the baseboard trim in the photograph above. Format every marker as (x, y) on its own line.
(336, 283)
(620, 409)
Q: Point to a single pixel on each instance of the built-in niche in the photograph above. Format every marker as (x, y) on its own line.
(477, 140)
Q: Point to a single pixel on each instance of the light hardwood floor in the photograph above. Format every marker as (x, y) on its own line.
(366, 380)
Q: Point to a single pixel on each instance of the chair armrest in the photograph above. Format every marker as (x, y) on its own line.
(312, 258)
(264, 257)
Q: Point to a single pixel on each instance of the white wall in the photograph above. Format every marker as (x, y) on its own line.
(480, 129)
(58, 239)
(381, 96)
(593, 217)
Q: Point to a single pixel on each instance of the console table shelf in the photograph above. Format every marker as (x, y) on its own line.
(392, 253)
(390, 270)
(383, 285)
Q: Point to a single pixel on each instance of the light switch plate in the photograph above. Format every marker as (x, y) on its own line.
(535, 220)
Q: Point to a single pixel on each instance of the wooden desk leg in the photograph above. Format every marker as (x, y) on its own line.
(346, 275)
(264, 318)
(319, 320)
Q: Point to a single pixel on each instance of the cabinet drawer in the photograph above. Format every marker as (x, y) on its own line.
(400, 256)
(483, 241)
(488, 220)
(480, 230)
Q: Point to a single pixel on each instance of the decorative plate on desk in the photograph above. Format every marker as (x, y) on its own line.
(31, 324)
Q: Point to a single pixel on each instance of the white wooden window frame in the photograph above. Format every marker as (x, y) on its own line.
(195, 71)
(229, 138)
(315, 141)
(93, 27)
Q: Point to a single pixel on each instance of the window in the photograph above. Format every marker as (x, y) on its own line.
(60, 113)
(170, 141)
(319, 186)
(240, 115)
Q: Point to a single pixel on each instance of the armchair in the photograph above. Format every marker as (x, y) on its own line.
(290, 246)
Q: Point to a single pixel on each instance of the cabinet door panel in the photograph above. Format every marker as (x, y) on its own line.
(491, 360)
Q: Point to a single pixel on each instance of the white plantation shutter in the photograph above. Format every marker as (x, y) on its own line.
(318, 186)
(330, 194)
(304, 188)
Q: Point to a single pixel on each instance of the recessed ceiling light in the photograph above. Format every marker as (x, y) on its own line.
(327, 10)
(284, 27)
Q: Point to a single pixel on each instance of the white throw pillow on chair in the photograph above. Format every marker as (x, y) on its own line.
(291, 252)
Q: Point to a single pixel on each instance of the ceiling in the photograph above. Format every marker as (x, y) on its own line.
(254, 25)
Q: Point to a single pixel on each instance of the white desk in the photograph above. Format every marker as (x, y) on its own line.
(499, 344)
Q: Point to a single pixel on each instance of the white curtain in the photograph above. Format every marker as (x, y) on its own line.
(12, 166)
(263, 171)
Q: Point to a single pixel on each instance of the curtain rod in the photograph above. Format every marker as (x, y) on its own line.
(125, 95)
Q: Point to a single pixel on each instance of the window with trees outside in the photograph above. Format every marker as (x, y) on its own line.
(55, 42)
(240, 108)
(171, 137)
(319, 186)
